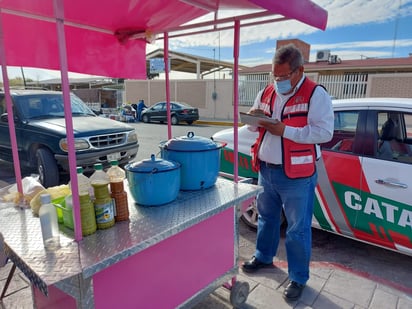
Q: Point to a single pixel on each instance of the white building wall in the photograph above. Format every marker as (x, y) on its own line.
(199, 93)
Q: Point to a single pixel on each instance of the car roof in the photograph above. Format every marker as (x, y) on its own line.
(373, 103)
(22, 92)
(182, 104)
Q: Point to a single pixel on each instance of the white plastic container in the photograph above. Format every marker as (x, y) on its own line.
(115, 172)
(49, 223)
(99, 177)
(83, 182)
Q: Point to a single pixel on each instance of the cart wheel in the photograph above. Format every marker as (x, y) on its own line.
(239, 293)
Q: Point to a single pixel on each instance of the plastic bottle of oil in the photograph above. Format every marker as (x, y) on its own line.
(117, 176)
(103, 205)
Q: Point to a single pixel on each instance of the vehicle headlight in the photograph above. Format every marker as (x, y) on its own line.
(132, 137)
(79, 144)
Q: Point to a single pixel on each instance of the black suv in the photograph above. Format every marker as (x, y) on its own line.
(41, 135)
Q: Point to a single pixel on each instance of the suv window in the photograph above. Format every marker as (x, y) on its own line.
(2, 105)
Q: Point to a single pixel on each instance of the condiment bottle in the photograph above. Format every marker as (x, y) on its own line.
(117, 176)
(87, 214)
(103, 205)
(49, 222)
(83, 182)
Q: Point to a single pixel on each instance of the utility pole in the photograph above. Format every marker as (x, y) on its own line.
(24, 79)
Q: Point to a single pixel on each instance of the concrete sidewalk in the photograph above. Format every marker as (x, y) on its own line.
(330, 286)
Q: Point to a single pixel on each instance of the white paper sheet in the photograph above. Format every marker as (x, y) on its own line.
(254, 120)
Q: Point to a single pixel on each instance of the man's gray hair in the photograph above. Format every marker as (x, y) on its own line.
(288, 54)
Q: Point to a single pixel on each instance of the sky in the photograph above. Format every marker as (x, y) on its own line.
(356, 29)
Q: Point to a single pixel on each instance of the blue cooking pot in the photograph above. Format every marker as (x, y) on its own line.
(199, 158)
(154, 181)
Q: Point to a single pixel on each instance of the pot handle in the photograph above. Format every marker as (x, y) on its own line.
(153, 158)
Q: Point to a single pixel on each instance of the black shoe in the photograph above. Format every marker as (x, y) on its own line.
(254, 264)
(293, 291)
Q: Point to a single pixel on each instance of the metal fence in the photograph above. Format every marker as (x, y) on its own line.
(342, 86)
(249, 86)
(345, 86)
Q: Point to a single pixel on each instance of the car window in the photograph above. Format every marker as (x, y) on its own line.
(394, 136)
(159, 107)
(344, 131)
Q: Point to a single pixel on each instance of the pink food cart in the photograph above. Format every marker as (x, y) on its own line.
(163, 257)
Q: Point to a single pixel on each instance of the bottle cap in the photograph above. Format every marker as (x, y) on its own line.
(114, 162)
(79, 170)
(45, 198)
(98, 166)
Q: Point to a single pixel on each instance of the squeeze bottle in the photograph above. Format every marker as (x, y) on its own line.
(117, 176)
(103, 204)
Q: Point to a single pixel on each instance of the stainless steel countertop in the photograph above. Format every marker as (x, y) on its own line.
(147, 226)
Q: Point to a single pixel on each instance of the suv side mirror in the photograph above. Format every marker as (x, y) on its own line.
(4, 117)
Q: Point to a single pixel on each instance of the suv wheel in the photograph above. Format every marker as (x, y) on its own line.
(47, 168)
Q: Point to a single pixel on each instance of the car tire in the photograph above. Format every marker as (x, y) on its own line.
(48, 176)
(250, 216)
(145, 118)
(189, 122)
(174, 120)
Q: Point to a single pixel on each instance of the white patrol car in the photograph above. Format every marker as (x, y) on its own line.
(364, 186)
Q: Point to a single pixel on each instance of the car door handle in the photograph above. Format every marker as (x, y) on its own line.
(391, 183)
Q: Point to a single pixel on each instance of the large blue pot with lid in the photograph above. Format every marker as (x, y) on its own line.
(154, 181)
(199, 158)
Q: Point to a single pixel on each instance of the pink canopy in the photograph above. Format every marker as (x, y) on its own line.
(107, 37)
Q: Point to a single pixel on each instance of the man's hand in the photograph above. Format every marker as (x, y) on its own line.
(273, 128)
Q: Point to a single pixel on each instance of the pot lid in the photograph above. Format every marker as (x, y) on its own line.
(190, 142)
(152, 165)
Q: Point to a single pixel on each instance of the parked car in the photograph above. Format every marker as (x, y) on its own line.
(41, 135)
(127, 113)
(363, 191)
(179, 112)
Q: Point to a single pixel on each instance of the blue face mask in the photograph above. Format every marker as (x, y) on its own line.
(283, 86)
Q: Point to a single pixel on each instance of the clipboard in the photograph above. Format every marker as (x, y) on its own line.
(254, 120)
